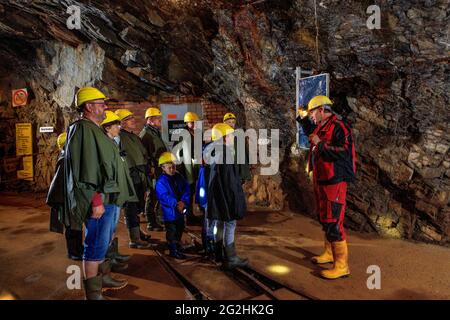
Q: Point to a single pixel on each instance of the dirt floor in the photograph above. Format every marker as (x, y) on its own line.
(33, 260)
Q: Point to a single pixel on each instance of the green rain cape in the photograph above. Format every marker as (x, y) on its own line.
(153, 143)
(137, 157)
(92, 164)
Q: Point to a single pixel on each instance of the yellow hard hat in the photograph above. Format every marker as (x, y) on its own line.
(191, 117)
(88, 94)
(318, 101)
(228, 116)
(166, 157)
(110, 117)
(61, 140)
(152, 112)
(123, 113)
(221, 130)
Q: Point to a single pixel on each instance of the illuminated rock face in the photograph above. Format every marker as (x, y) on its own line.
(392, 85)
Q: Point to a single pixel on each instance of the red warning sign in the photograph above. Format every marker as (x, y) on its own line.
(19, 97)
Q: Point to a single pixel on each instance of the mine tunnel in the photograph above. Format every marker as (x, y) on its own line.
(347, 101)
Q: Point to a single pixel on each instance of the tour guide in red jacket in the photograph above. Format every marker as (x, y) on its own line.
(332, 160)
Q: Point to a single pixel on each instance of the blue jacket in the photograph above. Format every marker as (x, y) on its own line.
(170, 190)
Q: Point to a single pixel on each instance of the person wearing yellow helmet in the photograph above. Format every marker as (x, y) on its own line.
(96, 184)
(225, 187)
(190, 118)
(155, 146)
(111, 125)
(332, 162)
(55, 200)
(188, 168)
(91, 103)
(244, 168)
(137, 158)
(124, 115)
(173, 193)
(319, 108)
(230, 119)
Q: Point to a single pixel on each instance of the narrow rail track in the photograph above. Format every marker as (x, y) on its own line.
(257, 285)
(193, 290)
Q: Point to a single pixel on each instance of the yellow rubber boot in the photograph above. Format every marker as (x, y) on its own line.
(326, 256)
(340, 267)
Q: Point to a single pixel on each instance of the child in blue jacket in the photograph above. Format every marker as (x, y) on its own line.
(173, 194)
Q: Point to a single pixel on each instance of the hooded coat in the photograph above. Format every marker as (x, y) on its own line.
(226, 198)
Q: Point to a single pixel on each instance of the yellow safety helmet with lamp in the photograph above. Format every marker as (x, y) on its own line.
(166, 157)
(87, 94)
(153, 112)
(318, 101)
(123, 113)
(221, 130)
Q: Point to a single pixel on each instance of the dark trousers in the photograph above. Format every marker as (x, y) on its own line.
(151, 208)
(190, 218)
(174, 230)
(133, 209)
(132, 215)
(74, 241)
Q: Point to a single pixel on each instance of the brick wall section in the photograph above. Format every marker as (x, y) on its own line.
(212, 112)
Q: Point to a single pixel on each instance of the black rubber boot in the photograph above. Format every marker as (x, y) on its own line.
(115, 249)
(135, 241)
(231, 260)
(174, 253)
(152, 223)
(117, 266)
(218, 251)
(154, 227)
(143, 236)
(209, 250)
(93, 288)
(109, 282)
(180, 248)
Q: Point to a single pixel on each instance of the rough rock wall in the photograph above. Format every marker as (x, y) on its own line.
(57, 71)
(391, 85)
